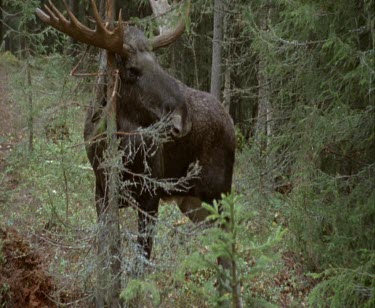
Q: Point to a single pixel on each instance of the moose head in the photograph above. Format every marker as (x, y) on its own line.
(154, 93)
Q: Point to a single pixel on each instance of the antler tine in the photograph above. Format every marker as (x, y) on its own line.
(50, 12)
(119, 22)
(164, 39)
(101, 37)
(57, 12)
(75, 21)
(97, 18)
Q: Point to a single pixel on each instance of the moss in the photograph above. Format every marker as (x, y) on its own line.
(7, 58)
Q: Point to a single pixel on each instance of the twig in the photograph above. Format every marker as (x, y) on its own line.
(74, 70)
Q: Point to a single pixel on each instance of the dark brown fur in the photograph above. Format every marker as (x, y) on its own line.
(203, 132)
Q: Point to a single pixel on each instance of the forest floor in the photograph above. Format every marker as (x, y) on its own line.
(9, 130)
(24, 278)
(12, 133)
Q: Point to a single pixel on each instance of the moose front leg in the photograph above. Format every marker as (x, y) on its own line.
(147, 214)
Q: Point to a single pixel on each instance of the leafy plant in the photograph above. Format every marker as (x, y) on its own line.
(141, 292)
(357, 291)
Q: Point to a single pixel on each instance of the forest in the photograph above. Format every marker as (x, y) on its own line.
(296, 228)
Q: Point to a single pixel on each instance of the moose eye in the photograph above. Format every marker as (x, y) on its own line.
(134, 73)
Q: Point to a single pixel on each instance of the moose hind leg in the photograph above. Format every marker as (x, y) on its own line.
(192, 208)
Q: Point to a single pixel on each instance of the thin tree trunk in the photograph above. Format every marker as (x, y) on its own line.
(109, 241)
(196, 74)
(101, 270)
(236, 288)
(227, 86)
(217, 49)
(227, 74)
(1, 25)
(263, 128)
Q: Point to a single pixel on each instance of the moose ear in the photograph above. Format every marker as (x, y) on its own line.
(181, 124)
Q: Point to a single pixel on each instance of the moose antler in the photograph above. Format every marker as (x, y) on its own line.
(167, 35)
(100, 37)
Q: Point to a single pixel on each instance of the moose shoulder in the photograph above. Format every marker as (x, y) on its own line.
(200, 128)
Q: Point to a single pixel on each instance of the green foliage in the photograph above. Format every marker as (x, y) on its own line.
(52, 195)
(59, 155)
(318, 57)
(2, 257)
(240, 140)
(4, 295)
(138, 293)
(185, 59)
(235, 243)
(24, 29)
(26, 11)
(347, 286)
(4, 287)
(7, 59)
(60, 171)
(187, 270)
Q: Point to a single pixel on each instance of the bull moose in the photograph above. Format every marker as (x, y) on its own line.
(200, 128)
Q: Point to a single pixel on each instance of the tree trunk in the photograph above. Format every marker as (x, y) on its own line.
(263, 127)
(1, 25)
(217, 49)
(227, 86)
(227, 74)
(109, 240)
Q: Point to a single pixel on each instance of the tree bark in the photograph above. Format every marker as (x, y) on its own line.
(109, 240)
(227, 74)
(263, 127)
(227, 86)
(217, 49)
(1, 25)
